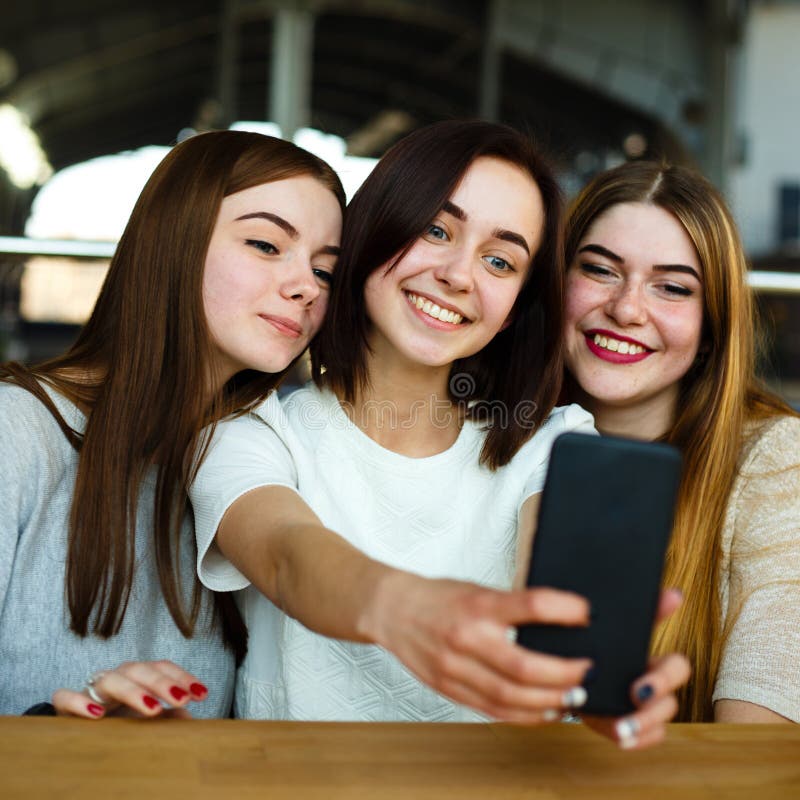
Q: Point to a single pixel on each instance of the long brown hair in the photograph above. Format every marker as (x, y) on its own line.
(140, 368)
(405, 191)
(718, 397)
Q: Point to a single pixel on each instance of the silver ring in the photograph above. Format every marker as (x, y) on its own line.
(91, 682)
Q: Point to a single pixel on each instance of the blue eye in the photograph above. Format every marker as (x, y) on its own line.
(436, 232)
(499, 264)
(265, 247)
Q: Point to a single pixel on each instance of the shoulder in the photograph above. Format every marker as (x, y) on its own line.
(764, 506)
(562, 419)
(772, 445)
(23, 415)
(308, 412)
(569, 418)
(33, 448)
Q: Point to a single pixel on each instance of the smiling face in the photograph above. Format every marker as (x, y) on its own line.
(455, 288)
(267, 273)
(634, 312)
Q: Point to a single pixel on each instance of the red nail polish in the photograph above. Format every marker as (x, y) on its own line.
(199, 689)
(94, 709)
(178, 693)
(150, 702)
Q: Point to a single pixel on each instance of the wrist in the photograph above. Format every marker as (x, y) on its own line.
(390, 591)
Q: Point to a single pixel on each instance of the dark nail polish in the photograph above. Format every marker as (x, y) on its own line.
(644, 692)
(178, 693)
(94, 709)
(199, 689)
(150, 702)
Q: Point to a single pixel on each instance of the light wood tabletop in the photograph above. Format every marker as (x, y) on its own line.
(117, 758)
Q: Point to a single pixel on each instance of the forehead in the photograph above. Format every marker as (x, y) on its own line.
(643, 231)
(293, 196)
(500, 194)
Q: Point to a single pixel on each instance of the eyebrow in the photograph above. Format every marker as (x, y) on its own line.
(610, 254)
(274, 218)
(330, 250)
(498, 233)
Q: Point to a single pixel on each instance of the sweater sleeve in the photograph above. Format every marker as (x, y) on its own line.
(245, 453)
(21, 453)
(762, 650)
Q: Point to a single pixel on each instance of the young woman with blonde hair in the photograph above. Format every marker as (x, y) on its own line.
(661, 345)
(217, 285)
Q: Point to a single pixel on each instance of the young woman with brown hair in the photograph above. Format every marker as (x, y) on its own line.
(660, 345)
(381, 505)
(217, 285)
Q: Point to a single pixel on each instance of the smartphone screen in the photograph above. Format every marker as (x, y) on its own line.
(605, 519)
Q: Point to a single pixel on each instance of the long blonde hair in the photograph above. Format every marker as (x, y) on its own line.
(718, 397)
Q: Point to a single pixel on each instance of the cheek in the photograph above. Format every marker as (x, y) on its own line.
(318, 312)
(685, 332)
(374, 291)
(219, 281)
(580, 299)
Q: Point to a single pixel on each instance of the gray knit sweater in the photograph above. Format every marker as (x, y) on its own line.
(38, 652)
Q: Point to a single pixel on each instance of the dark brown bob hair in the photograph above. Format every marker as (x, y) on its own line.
(519, 372)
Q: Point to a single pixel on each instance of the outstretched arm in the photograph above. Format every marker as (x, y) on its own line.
(452, 635)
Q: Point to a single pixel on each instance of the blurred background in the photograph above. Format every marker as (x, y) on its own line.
(93, 92)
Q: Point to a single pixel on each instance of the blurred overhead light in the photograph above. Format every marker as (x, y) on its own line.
(635, 145)
(21, 155)
(379, 132)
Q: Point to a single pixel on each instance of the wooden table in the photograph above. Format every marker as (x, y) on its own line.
(176, 759)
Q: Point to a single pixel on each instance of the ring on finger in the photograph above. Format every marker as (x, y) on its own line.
(91, 690)
(627, 730)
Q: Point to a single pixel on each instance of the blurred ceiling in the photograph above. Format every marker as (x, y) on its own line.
(98, 76)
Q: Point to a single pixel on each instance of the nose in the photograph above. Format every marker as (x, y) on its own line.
(456, 270)
(627, 305)
(299, 283)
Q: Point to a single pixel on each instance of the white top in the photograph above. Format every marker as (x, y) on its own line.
(760, 574)
(38, 651)
(441, 516)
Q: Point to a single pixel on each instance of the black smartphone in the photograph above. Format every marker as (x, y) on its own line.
(605, 519)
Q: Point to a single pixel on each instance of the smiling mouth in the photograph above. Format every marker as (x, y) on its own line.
(433, 310)
(618, 345)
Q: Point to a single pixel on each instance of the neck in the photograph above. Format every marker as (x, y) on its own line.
(405, 407)
(647, 420)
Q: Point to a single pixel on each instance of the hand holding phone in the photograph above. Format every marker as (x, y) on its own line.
(605, 519)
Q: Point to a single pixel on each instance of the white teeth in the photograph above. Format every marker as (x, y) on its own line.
(616, 346)
(433, 310)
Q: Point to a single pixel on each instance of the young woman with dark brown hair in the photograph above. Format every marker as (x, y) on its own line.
(381, 505)
(217, 285)
(660, 345)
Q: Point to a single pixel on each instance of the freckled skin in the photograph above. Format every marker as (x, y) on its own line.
(660, 309)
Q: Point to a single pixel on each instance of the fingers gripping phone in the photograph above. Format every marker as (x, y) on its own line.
(605, 519)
